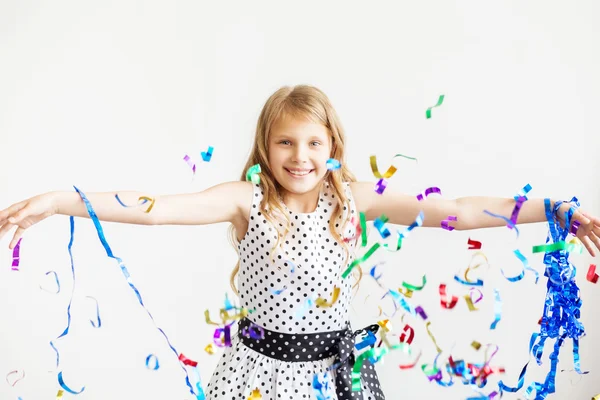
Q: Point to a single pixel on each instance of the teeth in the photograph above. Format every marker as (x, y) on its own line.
(299, 173)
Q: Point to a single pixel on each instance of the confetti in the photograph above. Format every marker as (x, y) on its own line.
(155, 366)
(125, 205)
(379, 223)
(253, 174)
(125, 273)
(575, 228)
(497, 309)
(333, 164)
(321, 386)
(56, 280)
(320, 302)
(189, 162)
(368, 341)
(592, 276)
(415, 288)
(515, 212)
(187, 361)
(427, 324)
(509, 223)
(390, 171)
(207, 155)
(17, 380)
(523, 192)
(98, 322)
(61, 382)
(210, 349)
(428, 191)
(360, 260)
(560, 318)
(445, 223)
(411, 365)
(447, 304)
(222, 337)
(255, 395)
(419, 310)
(16, 256)
(407, 330)
(380, 186)
(439, 103)
(526, 265)
(375, 353)
(474, 244)
(254, 331)
(277, 292)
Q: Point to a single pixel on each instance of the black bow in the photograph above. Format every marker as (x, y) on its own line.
(346, 360)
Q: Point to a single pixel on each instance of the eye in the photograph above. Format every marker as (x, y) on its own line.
(315, 143)
(284, 142)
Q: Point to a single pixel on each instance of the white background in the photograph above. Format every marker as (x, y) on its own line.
(111, 96)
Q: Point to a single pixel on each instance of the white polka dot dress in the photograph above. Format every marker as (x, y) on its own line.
(309, 264)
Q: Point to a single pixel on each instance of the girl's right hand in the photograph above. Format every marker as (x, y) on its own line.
(26, 213)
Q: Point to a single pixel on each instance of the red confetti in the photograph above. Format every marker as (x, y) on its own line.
(411, 335)
(187, 361)
(592, 276)
(474, 244)
(444, 298)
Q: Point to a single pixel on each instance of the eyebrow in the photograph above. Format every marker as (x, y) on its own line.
(287, 136)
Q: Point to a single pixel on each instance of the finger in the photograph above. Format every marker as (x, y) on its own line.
(595, 239)
(588, 245)
(595, 220)
(581, 217)
(18, 235)
(6, 213)
(4, 230)
(20, 215)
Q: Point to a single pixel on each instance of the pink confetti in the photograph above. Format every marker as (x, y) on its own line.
(445, 223)
(16, 256)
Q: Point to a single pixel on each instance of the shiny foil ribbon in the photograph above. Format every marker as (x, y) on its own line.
(427, 192)
(446, 223)
(16, 256)
(380, 186)
(253, 174)
(332, 164)
(592, 276)
(439, 103)
(189, 162)
(474, 244)
(321, 302)
(124, 271)
(207, 155)
(562, 306)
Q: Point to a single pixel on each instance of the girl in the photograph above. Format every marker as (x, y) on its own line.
(292, 234)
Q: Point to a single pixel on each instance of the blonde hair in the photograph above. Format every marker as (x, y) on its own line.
(301, 101)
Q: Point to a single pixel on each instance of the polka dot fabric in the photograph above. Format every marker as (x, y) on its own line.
(309, 264)
(311, 252)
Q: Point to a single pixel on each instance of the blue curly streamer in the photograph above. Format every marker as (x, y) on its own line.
(562, 307)
(125, 272)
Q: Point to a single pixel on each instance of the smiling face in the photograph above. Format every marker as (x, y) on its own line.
(298, 153)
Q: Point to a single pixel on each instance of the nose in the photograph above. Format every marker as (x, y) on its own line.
(300, 154)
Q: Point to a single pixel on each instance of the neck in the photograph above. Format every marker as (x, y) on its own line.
(302, 203)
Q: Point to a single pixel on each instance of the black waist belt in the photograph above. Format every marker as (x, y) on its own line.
(302, 347)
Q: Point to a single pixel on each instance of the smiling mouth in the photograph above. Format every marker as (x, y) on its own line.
(299, 173)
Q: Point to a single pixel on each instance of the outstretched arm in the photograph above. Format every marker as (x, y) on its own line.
(226, 202)
(402, 209)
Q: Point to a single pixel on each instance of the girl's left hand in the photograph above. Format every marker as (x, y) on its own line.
(589, 227)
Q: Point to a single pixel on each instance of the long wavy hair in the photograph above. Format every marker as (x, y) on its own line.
(301, 101)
